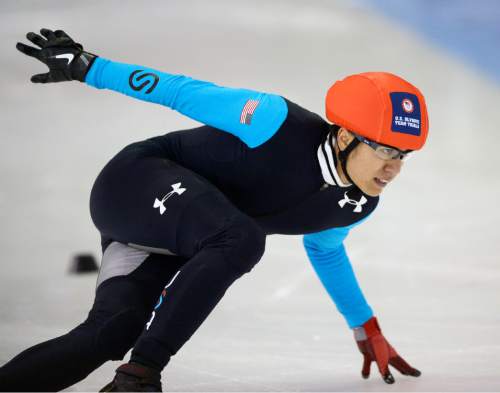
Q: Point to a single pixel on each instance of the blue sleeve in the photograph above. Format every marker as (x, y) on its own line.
(252, 116)
(328, 256)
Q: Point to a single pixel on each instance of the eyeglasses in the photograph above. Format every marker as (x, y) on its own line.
(382, 151)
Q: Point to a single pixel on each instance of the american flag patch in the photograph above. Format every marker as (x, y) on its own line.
(247, 112)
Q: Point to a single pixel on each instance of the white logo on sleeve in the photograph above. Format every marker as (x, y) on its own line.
(67, 56)
(359, 204)
(160, 300)
(160, 204)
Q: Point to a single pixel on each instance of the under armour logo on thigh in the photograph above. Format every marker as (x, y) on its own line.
(359, 204)
(160, 204)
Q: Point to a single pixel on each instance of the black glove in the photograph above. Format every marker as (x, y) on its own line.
(65, 58)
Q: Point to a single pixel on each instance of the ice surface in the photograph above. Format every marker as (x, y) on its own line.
(428, 259)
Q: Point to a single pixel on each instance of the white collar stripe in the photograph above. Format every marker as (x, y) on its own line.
(324, 167)
(327, 162)
(331, 160)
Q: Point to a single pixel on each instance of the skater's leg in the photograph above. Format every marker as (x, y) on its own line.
(153, 202)
(122, 306)
(230, 250)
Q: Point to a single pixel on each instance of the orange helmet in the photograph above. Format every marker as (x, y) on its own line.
(381, 107)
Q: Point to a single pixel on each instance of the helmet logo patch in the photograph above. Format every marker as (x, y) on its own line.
(407, 105)
(406, 117)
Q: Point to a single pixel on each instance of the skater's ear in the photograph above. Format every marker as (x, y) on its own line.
(344, 138)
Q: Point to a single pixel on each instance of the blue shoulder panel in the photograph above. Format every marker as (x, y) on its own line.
(252, 116)
(327, 254)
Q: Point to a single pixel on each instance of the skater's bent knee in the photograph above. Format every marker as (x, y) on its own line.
(243, 243)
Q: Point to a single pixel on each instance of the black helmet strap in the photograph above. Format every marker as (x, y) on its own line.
(344, 155)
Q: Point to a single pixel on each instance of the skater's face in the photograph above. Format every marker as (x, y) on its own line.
(366, 169)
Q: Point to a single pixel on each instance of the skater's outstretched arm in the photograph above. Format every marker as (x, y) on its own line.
(252, 116)
(330, 261)
(327, 254)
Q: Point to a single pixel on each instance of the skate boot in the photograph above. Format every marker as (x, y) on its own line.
(132, 377)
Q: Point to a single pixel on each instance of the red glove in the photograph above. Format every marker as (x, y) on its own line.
(375, 348)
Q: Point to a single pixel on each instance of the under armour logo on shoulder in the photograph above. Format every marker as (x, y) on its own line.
(359, 204)
(160, 204)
